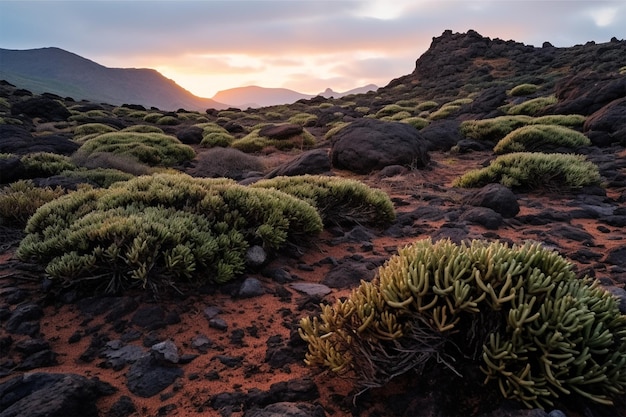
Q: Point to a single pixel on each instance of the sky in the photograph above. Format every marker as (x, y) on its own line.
(305, 45)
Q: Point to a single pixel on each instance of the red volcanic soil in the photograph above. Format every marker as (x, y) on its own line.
(273, 316)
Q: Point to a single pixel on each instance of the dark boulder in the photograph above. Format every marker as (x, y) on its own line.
(442, 135)
(43, 107)
(51, 395)
(483, 216)
(190, 136)
(608, 124)
(16, 140)
(496, 197)
(311, 162)
(11, 169)
(587, 93)
(147, 377)
(367, 145)
(280, 131)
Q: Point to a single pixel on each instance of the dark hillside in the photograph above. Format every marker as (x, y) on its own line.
(54, 70)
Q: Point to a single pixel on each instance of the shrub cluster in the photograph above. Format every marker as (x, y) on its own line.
(496, 128)
(19, 200)
(46, 164)
(156, 231)
(338, 200)
(532, 106)
(534, 170)
(520, 313)
(149, 148)
(543, 138)
(253, 142)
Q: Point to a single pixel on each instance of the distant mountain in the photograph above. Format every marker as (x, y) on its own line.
(57, 71)
(328, 93)
(255, 96)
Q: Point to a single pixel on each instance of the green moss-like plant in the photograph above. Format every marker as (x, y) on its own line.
(253, 142)
(523, 90)
(520, 314)
(103, 177)
(338, 200)
(149, 148)
(92, 129)
(542, 138)
(143, 129)
(427, 105)
(221, 139)
(161, 230)
(445, 111)
(493, 129)
(303, 119)
(416, 122)
(568, 120)
(19, 200)
(46, 164)
(168, 121)
(533, 106)
(534, 170)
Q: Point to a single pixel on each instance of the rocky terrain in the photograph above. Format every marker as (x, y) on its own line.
(234, 349)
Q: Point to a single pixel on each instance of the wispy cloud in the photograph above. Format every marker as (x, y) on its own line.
(306, 45)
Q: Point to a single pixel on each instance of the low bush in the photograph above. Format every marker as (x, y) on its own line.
(103, 177)
(160, 231)
(219, 139)
(149, 148)
(225, 162)
(569, 120)
(168, 121)
(542, 138)
(533, 106)
(303, 119)
(427, 105)
(92, 129)
(46, 164)
(143, 129)
(534, 170)
(493, 129)
(252, 142)
(416, 122)
(518, 313)
(105, 160)
(19, 200)
(445, 111)
(523, 90)
(338, 200)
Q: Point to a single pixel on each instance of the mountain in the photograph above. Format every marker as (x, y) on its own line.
(57, 71)
(329, 92)
(255, 96)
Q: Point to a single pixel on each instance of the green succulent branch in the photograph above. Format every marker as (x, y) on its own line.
(520, 313)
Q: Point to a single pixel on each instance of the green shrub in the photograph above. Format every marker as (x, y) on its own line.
(303, 119)
(138, 114)
(162, 230)
(103, 177)
(533, 106)
(338, 200)
(542, 138)
(391, 109)
(221, 139)
(152, 117)
(4, 102)
(336, 128)
(105, 160)
(19, 200)
(569, 120)
(168, 121)
(400, 115)
(252, 142)
(92, 129)
(523, 90)
(534, 170)
(520, 314)
(445, 111)
(417, 122)
(427, 105)
(494, 129)
(46, 164)
(149, 148)
(225, 162)
(143, 129)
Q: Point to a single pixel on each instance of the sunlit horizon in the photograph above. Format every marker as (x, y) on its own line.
(305, 45)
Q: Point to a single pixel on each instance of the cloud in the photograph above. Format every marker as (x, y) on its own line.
(206, 45)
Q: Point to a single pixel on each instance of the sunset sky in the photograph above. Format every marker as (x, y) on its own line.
(304, 45)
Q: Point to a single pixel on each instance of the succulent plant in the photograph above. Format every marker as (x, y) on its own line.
(520, 313)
